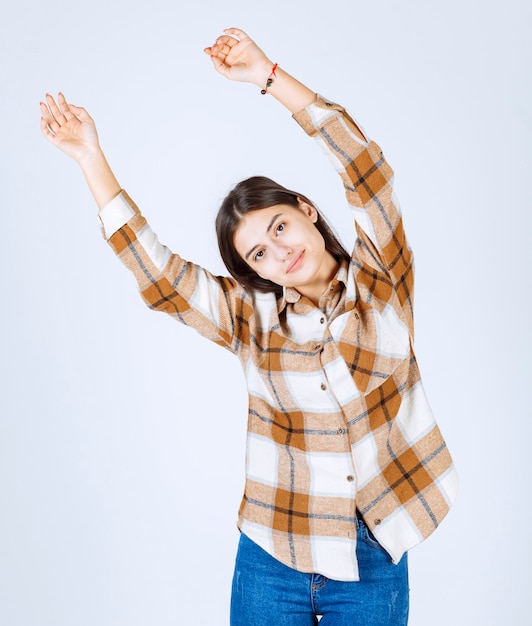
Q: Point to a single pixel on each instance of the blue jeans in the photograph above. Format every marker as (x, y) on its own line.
(268, 593)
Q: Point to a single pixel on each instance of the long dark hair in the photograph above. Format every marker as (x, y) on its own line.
(253, 194)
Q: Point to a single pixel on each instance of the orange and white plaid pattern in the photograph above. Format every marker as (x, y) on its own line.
(338, 419)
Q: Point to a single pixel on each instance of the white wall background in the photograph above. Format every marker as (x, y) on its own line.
(122, 433)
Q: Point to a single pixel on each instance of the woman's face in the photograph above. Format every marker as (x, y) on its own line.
(283, 245)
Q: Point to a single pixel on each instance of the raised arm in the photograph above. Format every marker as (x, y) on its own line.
(73, 131)
(237, 57)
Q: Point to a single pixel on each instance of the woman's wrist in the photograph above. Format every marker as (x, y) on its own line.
(99, 176)
(288, 90)
(262, 73)
(90, 157)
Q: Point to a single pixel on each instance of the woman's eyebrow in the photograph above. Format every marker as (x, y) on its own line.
(272, 221)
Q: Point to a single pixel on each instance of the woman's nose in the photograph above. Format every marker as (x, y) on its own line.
(282, 252)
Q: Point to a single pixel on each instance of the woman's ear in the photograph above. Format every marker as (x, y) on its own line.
(308, 209)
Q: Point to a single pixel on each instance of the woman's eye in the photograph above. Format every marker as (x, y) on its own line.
(279, 228)
(259, 255)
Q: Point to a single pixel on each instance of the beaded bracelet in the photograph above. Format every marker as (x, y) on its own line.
(269, 81)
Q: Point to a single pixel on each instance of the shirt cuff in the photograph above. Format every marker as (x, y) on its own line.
(115, 214)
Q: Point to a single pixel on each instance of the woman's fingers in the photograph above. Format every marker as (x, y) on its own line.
(64, 107)
(52, 115)
(72, 111)
(218, 51)
(45, 112)
(45, 128)
(226, 41)
(48, 118)
(236, 32)
(222, 46)
(60, 113)
(56, 112)
(80, 113)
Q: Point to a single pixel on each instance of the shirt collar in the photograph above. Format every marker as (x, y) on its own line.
(343, 275)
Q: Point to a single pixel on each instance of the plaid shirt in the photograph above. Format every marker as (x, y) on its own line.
(338, 419)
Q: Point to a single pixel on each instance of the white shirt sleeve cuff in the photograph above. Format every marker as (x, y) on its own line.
(115, 214)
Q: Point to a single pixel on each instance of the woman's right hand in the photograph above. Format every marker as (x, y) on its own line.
(73, 131)
(69, 128)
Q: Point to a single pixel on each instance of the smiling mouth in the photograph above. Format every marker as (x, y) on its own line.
(296, 263)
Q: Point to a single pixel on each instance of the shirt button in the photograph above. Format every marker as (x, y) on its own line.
(323, 386)
(317, 346)
(350, 478)
(377, 521)
(357, 316)
(322, 320)
(342, 431)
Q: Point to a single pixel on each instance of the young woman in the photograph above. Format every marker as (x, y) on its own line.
(346, 468)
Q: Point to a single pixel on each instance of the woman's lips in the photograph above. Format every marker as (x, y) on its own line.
(296, 263)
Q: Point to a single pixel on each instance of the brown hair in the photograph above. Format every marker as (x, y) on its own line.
(253, 194)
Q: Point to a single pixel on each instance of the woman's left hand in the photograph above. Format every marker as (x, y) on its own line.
(237, 57)
(68, 127)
